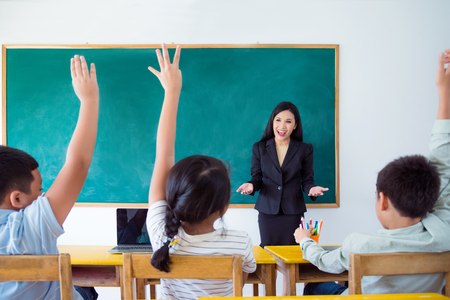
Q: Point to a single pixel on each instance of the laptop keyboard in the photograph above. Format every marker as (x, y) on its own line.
(137, 247)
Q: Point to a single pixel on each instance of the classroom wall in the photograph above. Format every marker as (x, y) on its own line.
(388, 99)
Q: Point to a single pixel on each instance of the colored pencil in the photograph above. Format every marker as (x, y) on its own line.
(320, 226)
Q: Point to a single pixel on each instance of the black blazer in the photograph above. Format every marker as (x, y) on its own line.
(282, 186)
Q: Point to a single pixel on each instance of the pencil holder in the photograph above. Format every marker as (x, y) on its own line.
(316, 238)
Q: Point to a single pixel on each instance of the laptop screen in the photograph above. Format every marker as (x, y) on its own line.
(132, 227)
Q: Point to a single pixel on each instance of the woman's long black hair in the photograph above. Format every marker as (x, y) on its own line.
(197, 186)
(297, 134)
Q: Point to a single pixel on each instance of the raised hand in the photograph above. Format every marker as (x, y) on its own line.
(84, 84)
(443, 84)
(170, 74)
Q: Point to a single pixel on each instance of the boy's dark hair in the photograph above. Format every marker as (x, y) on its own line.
(297, 134)
(15, 171)
(411, 183)
(197, 186)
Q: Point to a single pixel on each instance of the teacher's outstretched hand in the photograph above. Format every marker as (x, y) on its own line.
(317, 191)
(245, 189)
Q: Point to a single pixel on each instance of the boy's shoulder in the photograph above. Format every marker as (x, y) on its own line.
(425, 236)
(380, 241)
(32, 230)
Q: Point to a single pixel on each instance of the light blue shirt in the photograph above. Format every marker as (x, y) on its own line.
(33, 230)
(432, 234)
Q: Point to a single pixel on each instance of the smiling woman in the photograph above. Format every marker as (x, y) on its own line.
(282, 166)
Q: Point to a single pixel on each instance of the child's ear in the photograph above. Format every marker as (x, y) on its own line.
(14, 198)
(384, 201)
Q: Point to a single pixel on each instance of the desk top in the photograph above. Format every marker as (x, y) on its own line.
(91, 255)
(98, 255)
(427, 296)
(289, 254)
(262, 256)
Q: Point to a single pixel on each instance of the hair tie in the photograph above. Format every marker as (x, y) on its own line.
(174, 241)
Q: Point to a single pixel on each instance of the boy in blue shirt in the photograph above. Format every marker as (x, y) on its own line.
(31, 221)
(412, 205)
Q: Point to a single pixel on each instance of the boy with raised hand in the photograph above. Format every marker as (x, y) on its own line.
(31, 221)
(412, 205)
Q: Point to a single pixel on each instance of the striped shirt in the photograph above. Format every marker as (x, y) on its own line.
(218, 242)
(32, 230)
(432, 234)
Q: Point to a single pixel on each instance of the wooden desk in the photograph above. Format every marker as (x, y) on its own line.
(265, 272)
(427, 296)
(94, 266)
(290, 263)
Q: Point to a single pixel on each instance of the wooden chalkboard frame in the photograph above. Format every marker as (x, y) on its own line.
(143, 46)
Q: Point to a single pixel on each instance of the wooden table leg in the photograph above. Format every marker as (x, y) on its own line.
(291, 279)
(119, 272)
(288, 270)
(270, 279)
(140, 288)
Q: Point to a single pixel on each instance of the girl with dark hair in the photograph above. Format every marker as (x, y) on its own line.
(185, 200)
(282, 166)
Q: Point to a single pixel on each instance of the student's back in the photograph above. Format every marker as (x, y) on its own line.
(218, 242)
(33, 230)
(30, 221)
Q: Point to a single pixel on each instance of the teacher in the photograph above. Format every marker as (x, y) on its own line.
(282, 166)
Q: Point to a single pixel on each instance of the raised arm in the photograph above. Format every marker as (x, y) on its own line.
(170, 78)
(440, 139)
(68, 184)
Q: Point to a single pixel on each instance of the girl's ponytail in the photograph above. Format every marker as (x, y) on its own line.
(160, 258)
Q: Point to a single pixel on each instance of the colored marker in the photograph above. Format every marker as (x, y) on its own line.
(315, 229)
(320, 226)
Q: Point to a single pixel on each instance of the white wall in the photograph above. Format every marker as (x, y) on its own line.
(388, 99)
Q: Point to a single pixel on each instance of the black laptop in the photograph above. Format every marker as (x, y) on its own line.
(132, 235)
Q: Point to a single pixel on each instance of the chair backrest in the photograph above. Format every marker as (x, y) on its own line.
(39, 268)
(137, 265)
(410, 263)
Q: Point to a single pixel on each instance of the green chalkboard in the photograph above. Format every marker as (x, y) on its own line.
(228, 94)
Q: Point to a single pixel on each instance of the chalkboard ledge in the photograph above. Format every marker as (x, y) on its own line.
(87, 204)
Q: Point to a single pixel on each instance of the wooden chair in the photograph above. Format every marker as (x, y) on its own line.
(397, 264)
(137, 266)
(39, 268)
